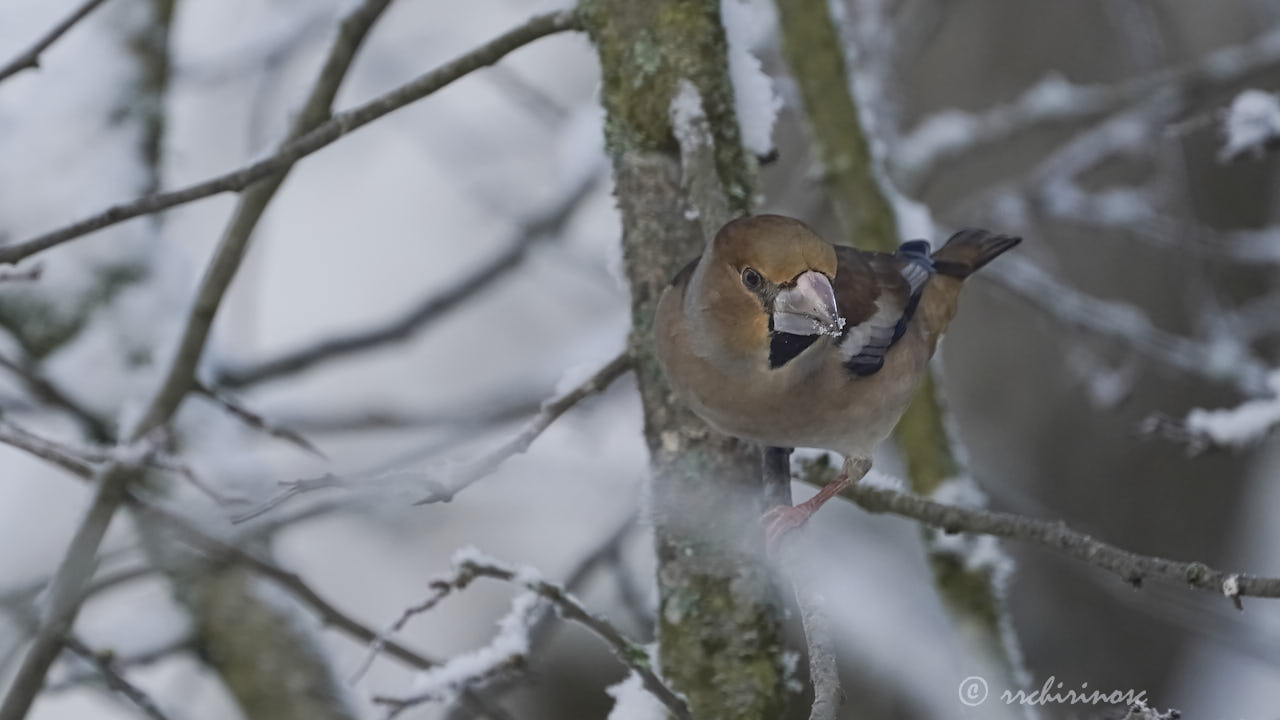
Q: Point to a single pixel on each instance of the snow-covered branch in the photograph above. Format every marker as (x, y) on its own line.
(512, 642)
(1129, 566)
(1224, 428)
(1055, 99)
(291, 152)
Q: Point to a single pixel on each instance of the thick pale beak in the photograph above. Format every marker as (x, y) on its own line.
(808, 308)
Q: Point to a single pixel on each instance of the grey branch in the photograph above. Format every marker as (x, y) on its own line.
(322, 135)
(824, 671)
(425, 312)
(1125, 324)
(441, 490)
(255, 420)
(444, 490)
(180, 378)
(1129, 566)
(467, 569)
(114, 680)
(30, 58)
(65, 592)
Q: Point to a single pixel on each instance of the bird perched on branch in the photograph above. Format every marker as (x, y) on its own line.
(777, 336)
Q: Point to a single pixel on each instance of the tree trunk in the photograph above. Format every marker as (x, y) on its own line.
(720, 633)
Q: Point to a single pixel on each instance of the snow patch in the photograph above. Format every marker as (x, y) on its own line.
(631, 701)
(1240, 425)
(755, 102)
(1252, 123)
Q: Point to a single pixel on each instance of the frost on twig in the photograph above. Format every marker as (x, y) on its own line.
(1225, 428)
(508, 649)
(1251, 125)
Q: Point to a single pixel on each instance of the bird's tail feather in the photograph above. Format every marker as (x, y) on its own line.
(968, 250)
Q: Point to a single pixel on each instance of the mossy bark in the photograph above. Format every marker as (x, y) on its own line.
(811, 44)
(720, 629)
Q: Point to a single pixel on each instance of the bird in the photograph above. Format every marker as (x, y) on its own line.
(776, 336)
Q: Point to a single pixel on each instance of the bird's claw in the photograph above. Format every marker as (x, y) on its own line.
(779, 521)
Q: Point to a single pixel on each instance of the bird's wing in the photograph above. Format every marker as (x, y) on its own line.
(877, 294)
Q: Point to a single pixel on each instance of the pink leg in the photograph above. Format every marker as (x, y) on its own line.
(780, 520)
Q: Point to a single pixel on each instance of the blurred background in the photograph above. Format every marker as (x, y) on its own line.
(1148, 285)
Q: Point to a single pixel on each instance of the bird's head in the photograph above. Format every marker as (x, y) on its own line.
(766, 274)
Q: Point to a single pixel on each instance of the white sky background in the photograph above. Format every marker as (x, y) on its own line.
(360, 231)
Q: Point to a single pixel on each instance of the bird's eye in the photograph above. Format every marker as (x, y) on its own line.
(752, 279)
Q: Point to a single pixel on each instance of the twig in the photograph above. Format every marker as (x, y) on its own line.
(323, 134)
(469, 565)
(31, 274)
(114, 478)
(50, 393)
(824, 671)
(1129, 566)
(444, 489)
(114, 680)
(118, 663)
(180, 378)
(65, 590)
(255, 420)
(30, 58)
(426, 311)
(1055, 99)
(1126, 324)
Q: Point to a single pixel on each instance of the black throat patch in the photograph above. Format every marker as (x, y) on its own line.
(784, 347)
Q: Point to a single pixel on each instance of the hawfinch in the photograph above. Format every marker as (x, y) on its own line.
(776, 336)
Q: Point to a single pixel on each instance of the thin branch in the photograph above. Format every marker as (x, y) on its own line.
(30, 59)
(180, 378)
(824, 671)
(255, 420)
(469, 565)
(65, 592)
(46, 390)
(425, 312)
(1054, 99)
(104, 666)
(444, 489)
(1129, 326)
(1129, 566)
(120, 663)
(31, 274)
(324, 134)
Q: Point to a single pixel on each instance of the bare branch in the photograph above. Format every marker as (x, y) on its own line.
(119, 663)
(444, 489)
(824, 672)
(180, 378)
(255, 420)
(31, 274)
(30, 58)
(65, 592)
(469, 565)
(1129, 566)
(104, 666)
(1129, 326)
(425, 312)
(322, 135)
(50, 393)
